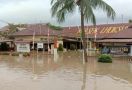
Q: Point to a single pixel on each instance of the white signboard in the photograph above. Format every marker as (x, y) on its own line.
(40, 45)
(23, 47)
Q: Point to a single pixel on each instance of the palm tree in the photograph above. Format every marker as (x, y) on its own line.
(130, 21)
(60, 8)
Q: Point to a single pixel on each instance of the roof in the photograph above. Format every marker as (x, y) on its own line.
(103, 31)
(114, 40)
(37, 29)
(5, 28)
(127, 33)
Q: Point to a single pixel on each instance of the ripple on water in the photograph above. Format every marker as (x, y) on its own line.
(107, 82)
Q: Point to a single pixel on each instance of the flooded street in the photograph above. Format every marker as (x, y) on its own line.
(44, 72)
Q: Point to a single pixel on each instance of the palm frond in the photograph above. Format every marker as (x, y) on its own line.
(100, 4)
(60, 8)
(88, 12)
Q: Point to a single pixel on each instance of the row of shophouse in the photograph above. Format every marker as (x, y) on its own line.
(116, 37)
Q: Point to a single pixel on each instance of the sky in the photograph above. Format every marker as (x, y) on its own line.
(38, 11)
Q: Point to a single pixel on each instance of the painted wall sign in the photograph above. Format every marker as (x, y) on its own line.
(23, 47)
(120, 49)
(105, 30)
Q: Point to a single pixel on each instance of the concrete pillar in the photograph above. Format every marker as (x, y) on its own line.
(90, 44)
(52, 48)
(55, 46)
(130, 50)
(55, 55)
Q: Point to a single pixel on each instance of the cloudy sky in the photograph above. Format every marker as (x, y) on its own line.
(36, 11)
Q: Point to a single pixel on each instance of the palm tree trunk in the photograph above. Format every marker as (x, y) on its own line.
(84, 43)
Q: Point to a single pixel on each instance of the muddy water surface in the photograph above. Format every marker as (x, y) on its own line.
(43, 72)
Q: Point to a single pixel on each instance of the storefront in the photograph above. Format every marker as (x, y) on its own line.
(71, 37)
(116, 46)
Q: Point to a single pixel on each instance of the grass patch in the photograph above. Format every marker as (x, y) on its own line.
(15, 54)
(26, 54)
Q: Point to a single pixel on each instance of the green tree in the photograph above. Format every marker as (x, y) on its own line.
(60, 8)
(130, 20)
(60, 48)
(54, 27)
(12, 28)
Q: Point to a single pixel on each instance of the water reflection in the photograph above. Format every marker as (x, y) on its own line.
(84, 76)
(34, 77)
(67, 72)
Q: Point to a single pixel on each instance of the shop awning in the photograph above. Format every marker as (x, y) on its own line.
(74, 40)
(115, 40)
(1, 41)
(50, 41)
(23, 42)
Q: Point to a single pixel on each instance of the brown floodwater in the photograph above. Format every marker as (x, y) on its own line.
(67, 72)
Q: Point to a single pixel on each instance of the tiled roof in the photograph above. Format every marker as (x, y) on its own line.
(38, 29)
(103, 31)
(5, 28)
(123, 34)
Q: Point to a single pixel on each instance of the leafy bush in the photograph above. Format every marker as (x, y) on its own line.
(130, 20)
(26, 54)
(4, 53)
(60, 48)
(105, 58)
(15, 54)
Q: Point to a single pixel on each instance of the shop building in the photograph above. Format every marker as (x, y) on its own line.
(97, 37)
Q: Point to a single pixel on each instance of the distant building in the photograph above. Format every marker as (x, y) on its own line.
(110, 35)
